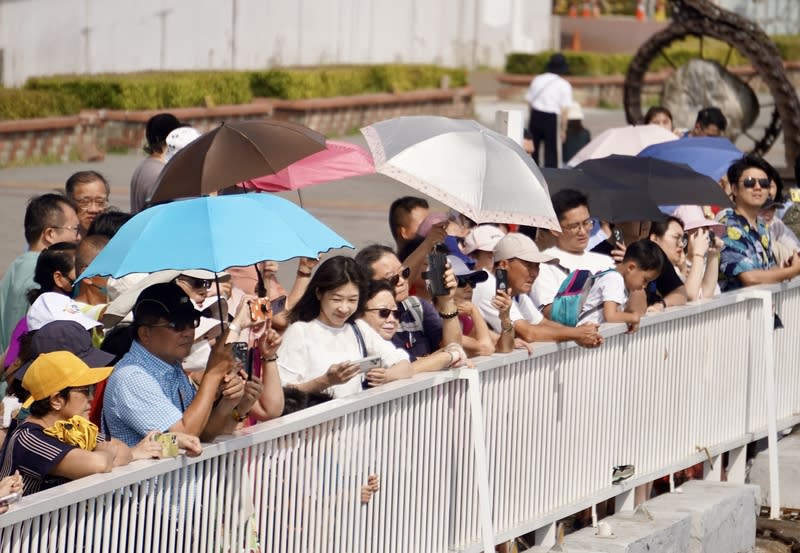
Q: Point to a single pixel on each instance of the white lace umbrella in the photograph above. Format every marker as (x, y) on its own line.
(627, 141)
(483, 174)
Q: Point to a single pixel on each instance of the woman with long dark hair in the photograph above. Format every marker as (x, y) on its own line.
(325, 340)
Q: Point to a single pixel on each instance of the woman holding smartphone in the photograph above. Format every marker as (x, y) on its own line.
(322, 346)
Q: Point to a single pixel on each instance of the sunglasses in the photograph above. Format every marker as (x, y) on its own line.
(179, 326)
(384, 312)
(463, 281)
(394, 280)
(750, 182)
(197, 282)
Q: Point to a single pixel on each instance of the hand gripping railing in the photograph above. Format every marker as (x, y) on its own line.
(466, 458)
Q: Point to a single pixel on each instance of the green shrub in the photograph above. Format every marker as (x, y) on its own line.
(593, 63)
(27, 104)
(135, 91)
(302, 83)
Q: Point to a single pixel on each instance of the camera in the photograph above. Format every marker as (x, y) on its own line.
(260, 309)
(434, 276)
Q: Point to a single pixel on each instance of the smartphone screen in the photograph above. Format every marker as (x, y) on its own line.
(278, 305)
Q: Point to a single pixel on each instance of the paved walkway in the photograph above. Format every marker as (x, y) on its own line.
(356, 208)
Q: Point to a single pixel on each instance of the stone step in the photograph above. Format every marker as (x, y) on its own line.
(700, 517)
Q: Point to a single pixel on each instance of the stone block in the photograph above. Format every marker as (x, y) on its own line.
(788, 472)
(707, 517)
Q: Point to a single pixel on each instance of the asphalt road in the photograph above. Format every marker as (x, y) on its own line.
(355, 208)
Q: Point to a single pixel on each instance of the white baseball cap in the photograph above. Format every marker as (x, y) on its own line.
(52, 306)
(179, 139)
(516, 245)
(483, 238)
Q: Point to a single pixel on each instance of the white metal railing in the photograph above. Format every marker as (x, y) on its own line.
(466, 458)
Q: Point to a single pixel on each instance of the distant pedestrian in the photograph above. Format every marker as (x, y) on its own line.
(577, 136)
(549, 95)
(710, 122)
(88, 191)
(146, 174)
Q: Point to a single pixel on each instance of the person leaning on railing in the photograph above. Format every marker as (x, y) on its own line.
(55, 443)
(380, 312)
(747, 258)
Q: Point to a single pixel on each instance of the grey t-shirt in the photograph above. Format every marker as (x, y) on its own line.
(143, 182)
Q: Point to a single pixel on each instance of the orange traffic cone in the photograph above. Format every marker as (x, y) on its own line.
(587, 9)
(573, 11)
(576, 42)
(640, 15)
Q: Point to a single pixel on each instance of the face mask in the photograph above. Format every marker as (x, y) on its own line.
(198, 356)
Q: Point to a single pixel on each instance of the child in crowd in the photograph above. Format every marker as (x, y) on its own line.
(607, 300)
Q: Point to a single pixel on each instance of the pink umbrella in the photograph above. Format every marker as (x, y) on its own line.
(339, 160)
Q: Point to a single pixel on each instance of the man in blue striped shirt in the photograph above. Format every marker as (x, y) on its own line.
(148, 389)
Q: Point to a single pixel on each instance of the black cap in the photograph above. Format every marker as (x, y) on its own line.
(66, 336)
(557, 64)
(159, 126)
(167, 300)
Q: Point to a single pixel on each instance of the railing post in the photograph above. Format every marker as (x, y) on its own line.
(768, 329)
(510, 122)
(481, 464)
(737, 463)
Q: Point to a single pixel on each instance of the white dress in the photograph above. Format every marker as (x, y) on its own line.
(309, 349)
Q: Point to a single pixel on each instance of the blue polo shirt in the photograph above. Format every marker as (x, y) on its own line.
(144, 393)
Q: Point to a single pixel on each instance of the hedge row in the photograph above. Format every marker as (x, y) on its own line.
(67, 94)
(595, 64)
(27, 104)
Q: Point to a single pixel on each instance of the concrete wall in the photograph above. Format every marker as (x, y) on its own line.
(41, 37)
(776, 17)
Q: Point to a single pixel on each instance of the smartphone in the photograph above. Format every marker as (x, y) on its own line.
(618, 237)
(9, 499)
(712, 238)
(240, 352)
(169, 444)
(434, 276)
(278, 305)
(501, 276)
(368, 363)
(260, 309)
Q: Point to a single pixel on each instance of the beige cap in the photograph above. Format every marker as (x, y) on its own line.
(483, 238)
(516, 245)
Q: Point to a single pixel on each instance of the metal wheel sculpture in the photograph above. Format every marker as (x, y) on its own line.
(700, 18)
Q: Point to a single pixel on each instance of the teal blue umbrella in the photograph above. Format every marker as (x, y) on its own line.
(214, 233)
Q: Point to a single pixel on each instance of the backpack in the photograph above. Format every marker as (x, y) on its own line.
(567, 306)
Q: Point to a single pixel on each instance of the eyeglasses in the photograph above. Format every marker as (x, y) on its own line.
(586, 225)
(86, 203)
(85, 390)
(464, 281)
(178, 326)
(384, 312)
(75, 229)
(394, 280)
(750, 182)
(197, 282)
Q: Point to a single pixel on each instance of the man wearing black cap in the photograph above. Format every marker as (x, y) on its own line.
(549, 96)
(146, 174)
(148, 389)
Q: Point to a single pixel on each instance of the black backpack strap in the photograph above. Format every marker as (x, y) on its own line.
(360, 338)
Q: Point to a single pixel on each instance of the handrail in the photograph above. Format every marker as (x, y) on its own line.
(426, 421)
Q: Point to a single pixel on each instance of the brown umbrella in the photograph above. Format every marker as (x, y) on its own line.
(232, 153)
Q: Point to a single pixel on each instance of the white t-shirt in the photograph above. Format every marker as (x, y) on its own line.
(608, 287)
(521, 307)
(550, 93)
(309, 349)
(550, 277)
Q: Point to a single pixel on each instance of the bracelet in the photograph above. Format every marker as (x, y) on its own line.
(450, 315)
(507, 329)
(698, 255)
(302, 274)
(237, 417)
(233, 327)
(270, 359)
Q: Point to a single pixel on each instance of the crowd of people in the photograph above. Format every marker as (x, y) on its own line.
(103, 371)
